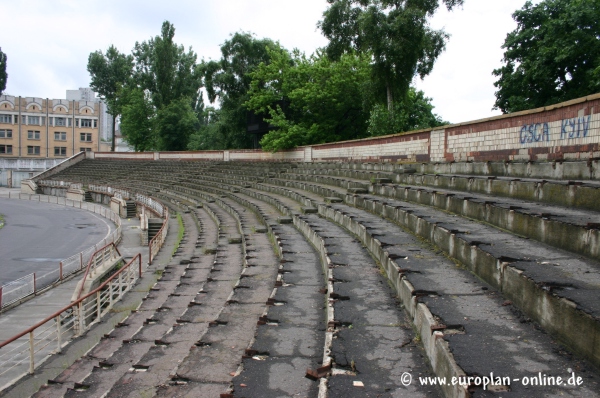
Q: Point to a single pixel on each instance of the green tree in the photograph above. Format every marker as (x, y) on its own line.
(174, 124)
(394, 32)
(138, 118)
(227, 82)
(414, 113)
(166, 70)
(165, 77)
(552, 56)
(109, 73)
(323, 100)
(3, 75)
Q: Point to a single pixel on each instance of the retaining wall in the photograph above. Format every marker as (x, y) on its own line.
(569, 130)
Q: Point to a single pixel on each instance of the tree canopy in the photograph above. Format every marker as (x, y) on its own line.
(552, 56)
(415, 112)
(166, 70)
(137, 120)
(305, 99)
(3, 75)
(161, 99)
(109, 74)
(395, 33)
(324, 101)
(227, 82)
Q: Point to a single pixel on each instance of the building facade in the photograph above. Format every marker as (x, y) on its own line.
(48, 128)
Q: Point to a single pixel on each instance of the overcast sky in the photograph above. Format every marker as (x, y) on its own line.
(48, 42)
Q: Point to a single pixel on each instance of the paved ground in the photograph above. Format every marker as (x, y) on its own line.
(37, 236)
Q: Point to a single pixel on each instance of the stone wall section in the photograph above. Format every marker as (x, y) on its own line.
(566, 131)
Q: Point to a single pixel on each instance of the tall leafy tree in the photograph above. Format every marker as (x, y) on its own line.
(138, 118)
(552, 56)
(174, 125)
(166, 92)
(395, 33)
(227, 82)
(166, 70)
(109, 73)
(3, 75)
(414, 113)
(311, 100)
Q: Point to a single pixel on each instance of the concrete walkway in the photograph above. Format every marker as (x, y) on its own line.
(27, 314)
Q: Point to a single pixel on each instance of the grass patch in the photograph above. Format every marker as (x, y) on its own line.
(180, 233)
(1, 221)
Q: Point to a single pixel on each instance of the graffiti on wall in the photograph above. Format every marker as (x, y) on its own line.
(577, 127)
(534, 133)
(572, 128)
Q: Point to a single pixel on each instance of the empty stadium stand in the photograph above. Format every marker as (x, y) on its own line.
(460, 261)
(340, 278)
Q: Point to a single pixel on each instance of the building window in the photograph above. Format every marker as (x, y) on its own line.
(85, 123)
(5, 133)
(6, 119)
(33, 150)
(33, 135)
(6, 149)
(60, 136)
(86, 137)
(60, 121)
(85, 149)
(33, 120)
(69, 122)
(95, 123)
(60, 151)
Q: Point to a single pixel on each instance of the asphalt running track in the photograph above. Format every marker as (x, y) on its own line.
(37, 236)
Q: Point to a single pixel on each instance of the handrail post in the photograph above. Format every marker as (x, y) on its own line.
(59, 333)
(98, 306)
(81, 318)
(31, 353)
(139, 268)
(60, 270)
(80, 260)
(34, 284)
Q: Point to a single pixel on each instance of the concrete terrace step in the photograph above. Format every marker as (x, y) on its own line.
(484, 316)
(476, 301)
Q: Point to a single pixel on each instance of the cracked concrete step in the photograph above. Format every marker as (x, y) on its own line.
(138, 327)
(570, 229)
(457, 304)
(198, 313)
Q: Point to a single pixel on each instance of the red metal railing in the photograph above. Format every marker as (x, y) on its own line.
(34, 344)
(99, 257)
(157, 241)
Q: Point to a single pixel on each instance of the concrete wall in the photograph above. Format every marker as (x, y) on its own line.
(570, 130)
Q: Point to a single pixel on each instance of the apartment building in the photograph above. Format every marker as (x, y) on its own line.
(48, 128)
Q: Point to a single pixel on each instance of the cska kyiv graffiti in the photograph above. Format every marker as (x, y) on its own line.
(569, 128)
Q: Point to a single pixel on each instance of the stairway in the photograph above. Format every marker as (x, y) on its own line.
(88, 196)
(154, 225)
(131, 209)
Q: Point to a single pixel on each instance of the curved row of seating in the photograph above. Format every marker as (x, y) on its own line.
(378, 271)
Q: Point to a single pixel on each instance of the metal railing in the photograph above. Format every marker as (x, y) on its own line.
(31, 284)
(105, 254)
(154, 205)
(23, 352)
(157, 241)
